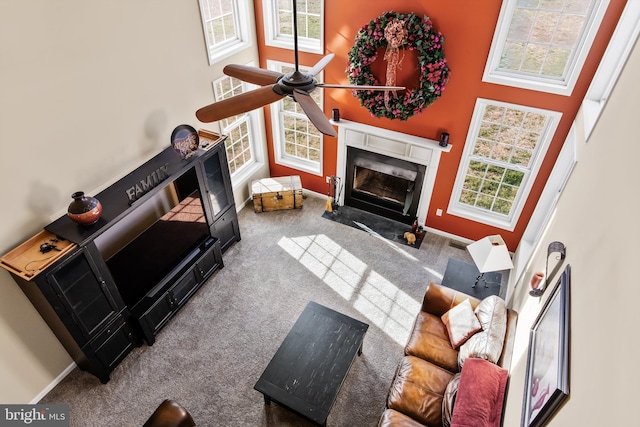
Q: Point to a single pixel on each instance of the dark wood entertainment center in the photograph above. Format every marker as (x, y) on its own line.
(106, 288)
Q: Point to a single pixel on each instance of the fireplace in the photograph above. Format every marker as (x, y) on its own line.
(383, 185)
(388, 173)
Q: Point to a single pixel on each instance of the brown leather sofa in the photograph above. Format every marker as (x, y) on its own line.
(170, 414)
(417, 391)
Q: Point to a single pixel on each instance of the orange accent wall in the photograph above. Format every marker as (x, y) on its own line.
(468, 30)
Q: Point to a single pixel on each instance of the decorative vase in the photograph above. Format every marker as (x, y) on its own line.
(536, 280)
(84, 210)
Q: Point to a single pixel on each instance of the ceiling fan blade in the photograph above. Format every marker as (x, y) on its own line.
(313, 111)
(238, 104)
(321, 64)
(360, 87)
(258, 76)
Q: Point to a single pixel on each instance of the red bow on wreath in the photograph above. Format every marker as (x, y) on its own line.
(396, 35)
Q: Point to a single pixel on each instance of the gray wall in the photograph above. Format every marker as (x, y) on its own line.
(89, 90)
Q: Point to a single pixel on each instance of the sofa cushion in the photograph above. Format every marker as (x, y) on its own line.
(461, 323)
(487, 344)
(480, 395)
(429, 340)
(417, 390)
(391, 417)
(449, 400)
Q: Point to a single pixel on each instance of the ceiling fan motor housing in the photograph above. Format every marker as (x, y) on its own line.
(295, 81)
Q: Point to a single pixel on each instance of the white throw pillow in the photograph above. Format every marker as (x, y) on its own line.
(487, 344)
(461, 323)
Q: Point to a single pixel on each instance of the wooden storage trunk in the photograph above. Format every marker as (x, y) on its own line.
(274, 194)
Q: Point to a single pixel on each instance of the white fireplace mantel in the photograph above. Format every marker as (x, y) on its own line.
(393, 144)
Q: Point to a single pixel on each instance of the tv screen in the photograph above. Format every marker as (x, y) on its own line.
(140, 265)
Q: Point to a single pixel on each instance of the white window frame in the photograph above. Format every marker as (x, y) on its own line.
(280, 155)
(611, 65)
(273, 37)
(493, 74)
(254, 120)
(218, 52)
(506, 222)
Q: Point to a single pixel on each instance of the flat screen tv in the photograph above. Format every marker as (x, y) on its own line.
(146, 260)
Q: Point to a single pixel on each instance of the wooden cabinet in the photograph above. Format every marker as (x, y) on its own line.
(79, 301)
(106, 287)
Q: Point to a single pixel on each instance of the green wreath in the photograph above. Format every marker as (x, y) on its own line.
(432, 65)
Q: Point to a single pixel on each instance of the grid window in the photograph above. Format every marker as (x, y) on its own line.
(222, 30)
(237, 128)
(309, 18)
(279, 24)
(297, 142)
(503, 151)
(542, 44)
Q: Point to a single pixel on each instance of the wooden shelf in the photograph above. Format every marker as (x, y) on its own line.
(27, 261)
(208, 139)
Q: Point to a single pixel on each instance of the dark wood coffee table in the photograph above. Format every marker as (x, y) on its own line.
(312, 362)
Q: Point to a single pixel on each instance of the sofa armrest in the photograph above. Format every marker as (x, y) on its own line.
(439, 299)
(509, 339)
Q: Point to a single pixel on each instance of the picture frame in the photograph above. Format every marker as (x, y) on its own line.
(547, 377)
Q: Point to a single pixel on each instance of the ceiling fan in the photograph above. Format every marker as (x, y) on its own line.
(276, 85)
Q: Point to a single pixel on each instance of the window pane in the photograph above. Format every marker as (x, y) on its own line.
(504, 148)
(222, 28)
(297, 142)
(220, 21)
(237, 128)
(543, 36)
(309, 18)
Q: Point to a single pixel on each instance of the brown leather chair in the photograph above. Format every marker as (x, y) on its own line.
(170, 414)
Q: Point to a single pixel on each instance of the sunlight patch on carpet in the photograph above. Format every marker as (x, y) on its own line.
(382, 302)
(433, 272)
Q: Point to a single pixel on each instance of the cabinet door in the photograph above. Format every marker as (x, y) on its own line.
(185, 287)
(156, 316)
(226, 228)
(81, 286)
(209, 263)
(218, 181)
(112, 345)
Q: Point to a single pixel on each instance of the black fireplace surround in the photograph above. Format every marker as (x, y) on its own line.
(383, 185)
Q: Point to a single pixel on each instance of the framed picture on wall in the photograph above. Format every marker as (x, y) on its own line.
(547, 378)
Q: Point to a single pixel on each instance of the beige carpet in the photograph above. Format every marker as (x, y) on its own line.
(210, 355)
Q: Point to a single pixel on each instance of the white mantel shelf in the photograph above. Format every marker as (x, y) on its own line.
(391, 135)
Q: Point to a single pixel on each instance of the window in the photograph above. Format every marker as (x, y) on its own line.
(614, 59)
(278, 24)
(240, 131)
(223, 33)
(504, 149)
(542, 44)
(297, 142)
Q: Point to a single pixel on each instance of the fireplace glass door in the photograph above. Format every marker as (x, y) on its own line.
(383, 185)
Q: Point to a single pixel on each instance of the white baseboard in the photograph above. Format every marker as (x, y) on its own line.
(53, 383)
(449, 235)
